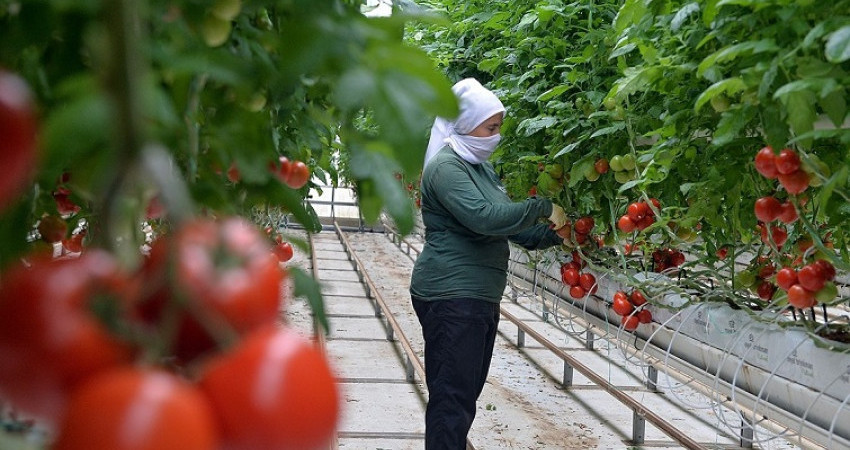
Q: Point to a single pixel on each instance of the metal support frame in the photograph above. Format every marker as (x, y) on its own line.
(652, 379)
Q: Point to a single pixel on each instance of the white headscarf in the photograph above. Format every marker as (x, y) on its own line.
(477, 104)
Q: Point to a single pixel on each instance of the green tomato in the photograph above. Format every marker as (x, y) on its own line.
(628, 162)
(827, 293)
(215, 31)
(590, 173)
(616, 163)
(226, 9)
(624, 176)
(686, 234)
(555, 170)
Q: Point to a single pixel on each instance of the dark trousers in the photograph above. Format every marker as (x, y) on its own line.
(459, 336)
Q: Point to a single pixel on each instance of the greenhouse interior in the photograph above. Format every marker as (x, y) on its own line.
(439, 224)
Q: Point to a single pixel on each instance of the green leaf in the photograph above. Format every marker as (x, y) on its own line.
(838, 45)
(632, 12)
(820, 86)
(734, 51)
(609, 130)
(308, 288)
(636, 79)
(730, 126)
(728, 86)
(567, 149)
(683, 14)
(530, 126)
(834, 105)
(622, 50)
(801, 113)
(553, 92)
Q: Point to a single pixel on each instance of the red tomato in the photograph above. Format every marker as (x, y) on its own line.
(677, 258)
(49, 339)
(564, 232)
(138, 409)
(637, 298)
(52, 229)
(579, 262)
(601, 165)
(786, 277)
(765, 290)
(787, 213)
(767, 209)
(766, 163)
(233, 174)
(274, 390)
(800, 297)
(299, 176)
(225, 275)
(644, 316)
(630, 323)
(570, 277)
(74, 244)
(64, 205)
(636, 211)
(655, 203)
(626, 224)
(587, 281)
(532, 192)
(811, 277)
(577, 292)
(787, 161)
(722, 252)
(827, 268)
(794, 182)
(283, 251)
(645, 222)
(18, 146)
(284, 169)
(622, 305)
(778, 234)
(584, 225)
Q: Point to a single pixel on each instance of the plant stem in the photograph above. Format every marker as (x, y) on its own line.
(124, 89)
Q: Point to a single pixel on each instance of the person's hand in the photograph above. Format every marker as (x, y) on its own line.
(565, 232)
(558, 217)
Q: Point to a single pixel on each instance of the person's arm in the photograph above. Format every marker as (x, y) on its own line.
(455, 190)
(536, 238)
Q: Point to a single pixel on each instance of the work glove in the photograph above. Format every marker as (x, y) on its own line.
(558, 217)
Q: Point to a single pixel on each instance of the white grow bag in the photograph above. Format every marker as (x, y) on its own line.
(779, 367)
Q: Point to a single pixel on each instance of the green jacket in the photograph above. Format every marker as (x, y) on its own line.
(468, 221)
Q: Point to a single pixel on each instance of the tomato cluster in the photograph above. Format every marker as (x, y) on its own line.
(580, 283)
(281, 249)
(294, 174)
(632, 309)
(785, 166)
(809, 284)
(183, 353)
(667, 258)
(639, 215)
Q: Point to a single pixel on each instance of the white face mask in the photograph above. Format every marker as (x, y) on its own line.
(473, 149)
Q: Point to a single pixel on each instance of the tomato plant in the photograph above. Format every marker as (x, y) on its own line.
(274, 390)
(222, 273)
